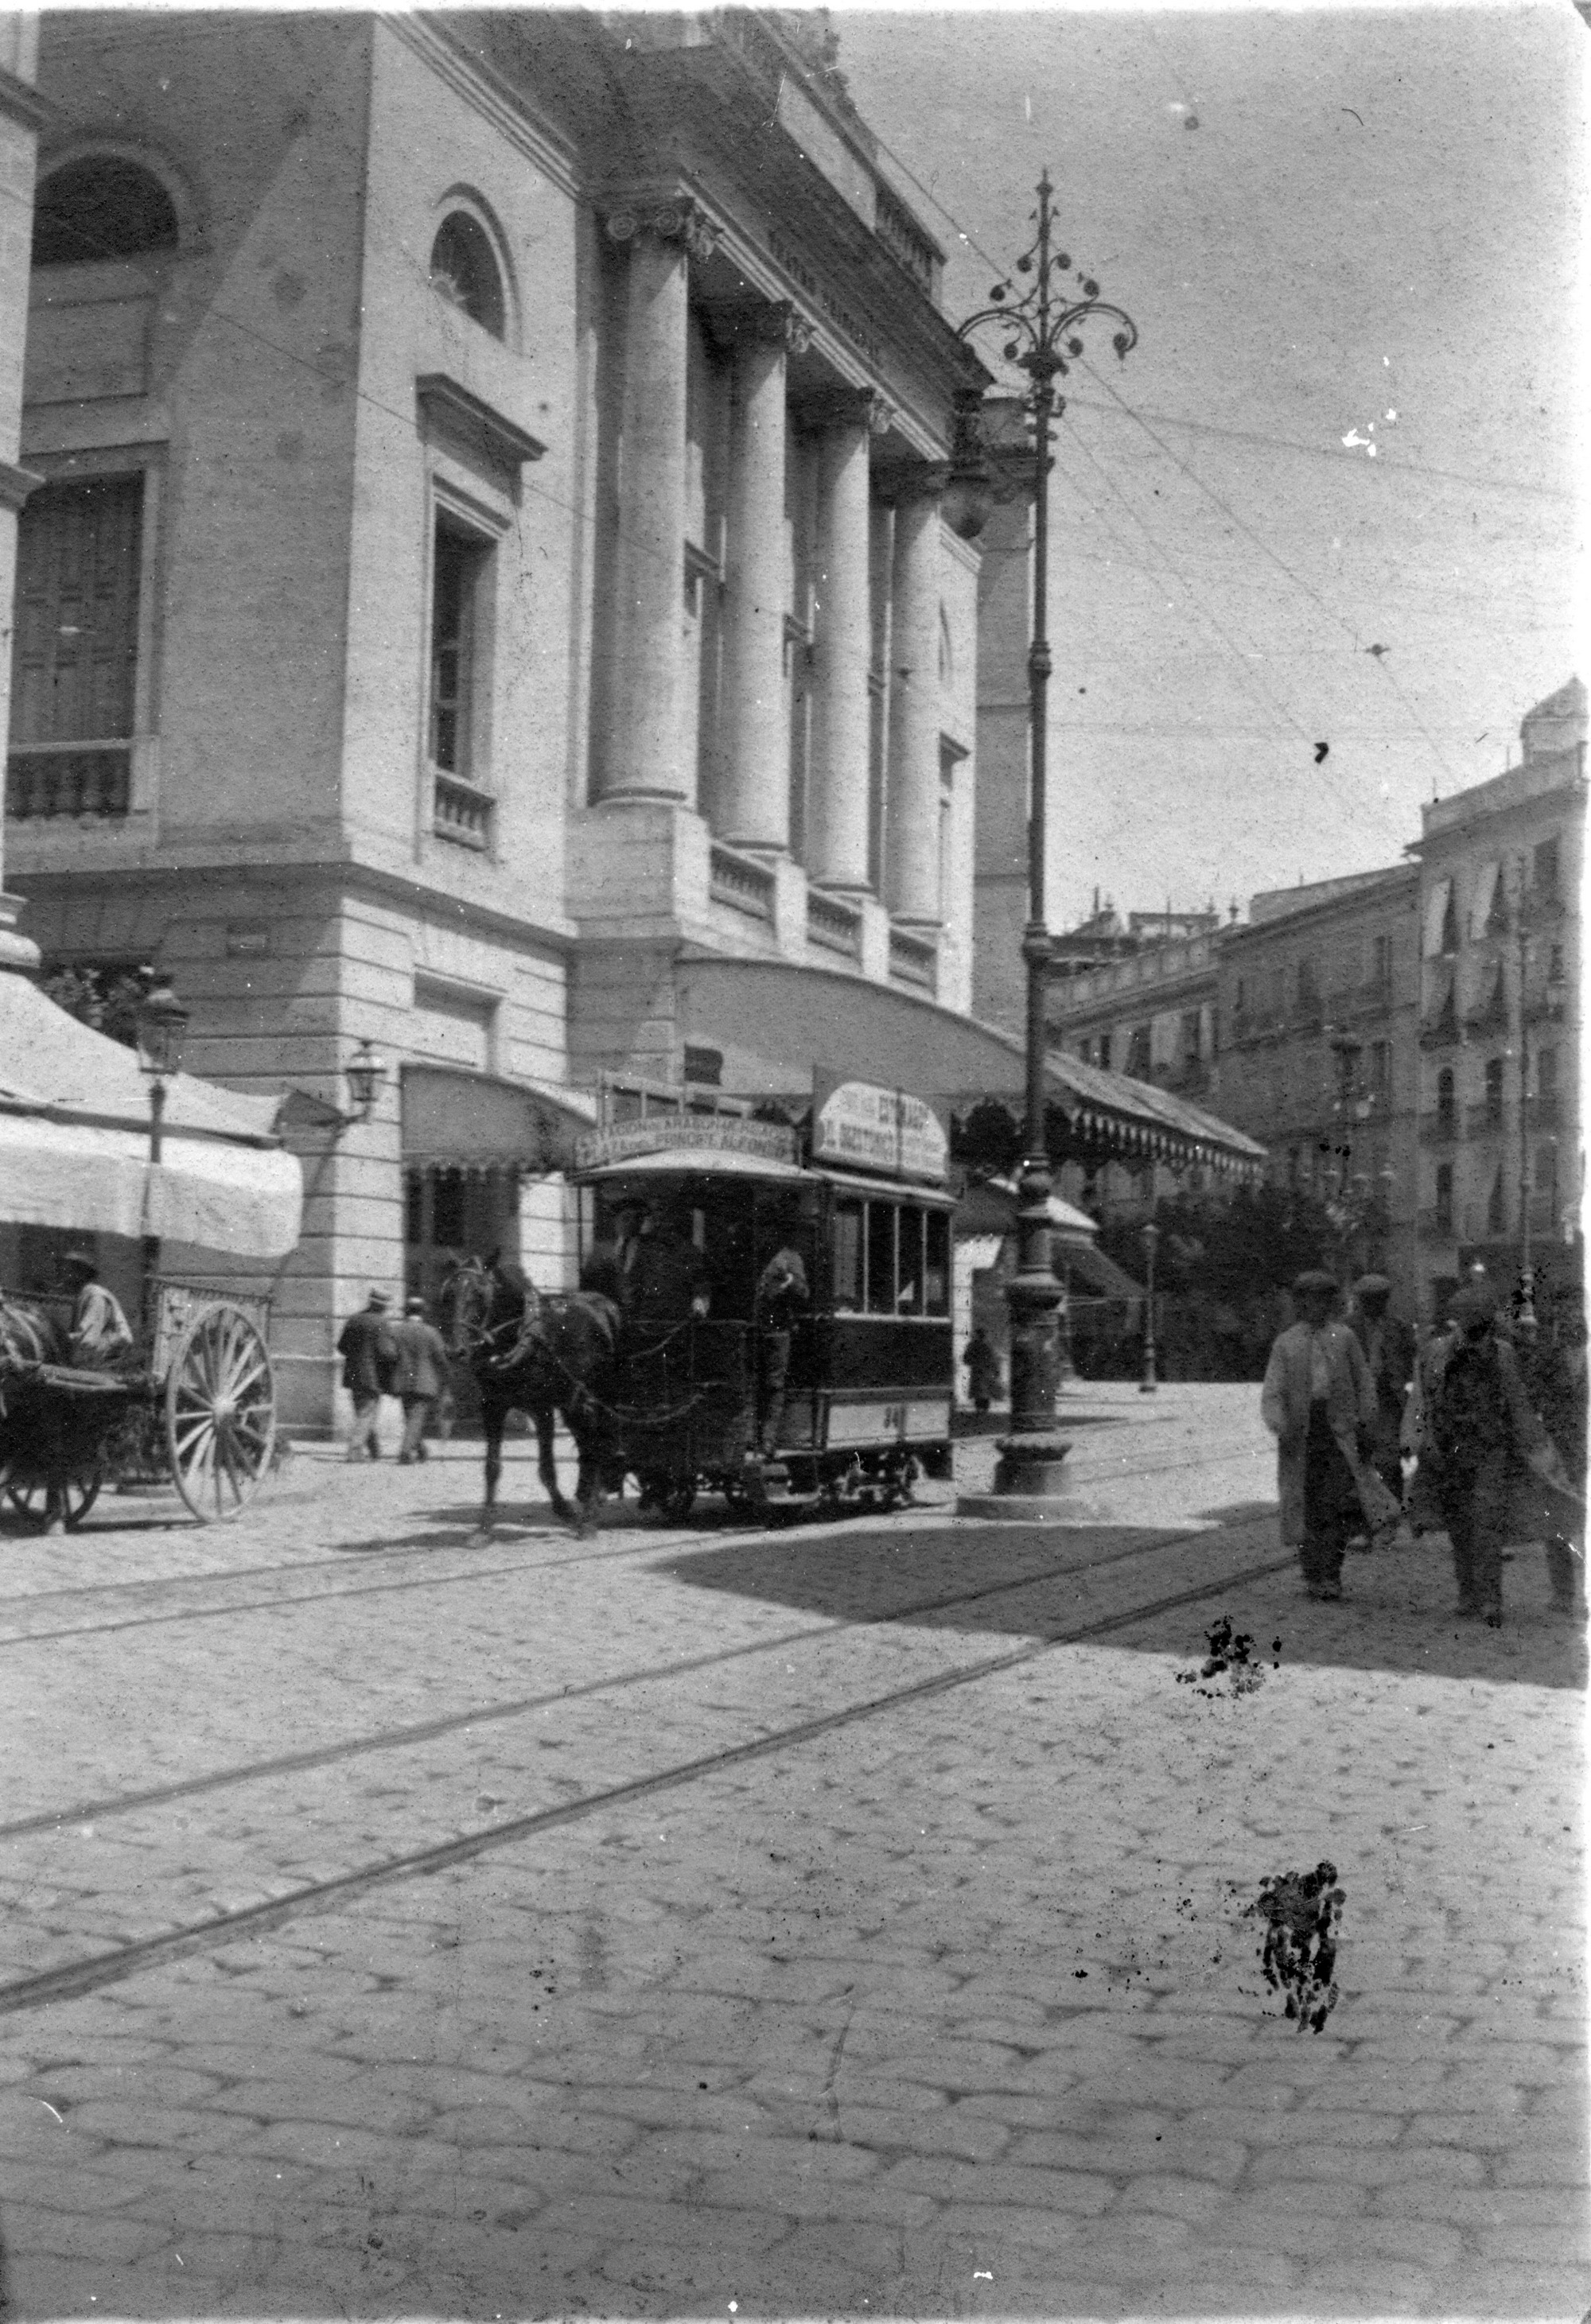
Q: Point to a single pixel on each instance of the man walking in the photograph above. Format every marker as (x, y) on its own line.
(420, 1374)
(1389, 1351)
(1482, 1435)
(365, 1347)
(1317, 1400)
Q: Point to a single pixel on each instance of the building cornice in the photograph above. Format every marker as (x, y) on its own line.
(441, 42)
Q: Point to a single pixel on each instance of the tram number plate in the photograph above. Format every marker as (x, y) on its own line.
(871, 1424)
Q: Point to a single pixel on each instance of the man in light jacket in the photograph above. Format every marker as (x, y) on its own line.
(420, 1374)
(1319, 1401)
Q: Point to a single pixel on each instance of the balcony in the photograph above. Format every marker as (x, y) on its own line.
(740, 882)
(1440, 1128)
(833, 926)
(1254, 1025)
(914, 961)
(1441, 1032)
(461, 811)
(1545, 1004)
(1545, 1111)
(68, 782)
(1484, 1121)
(1436, 1226)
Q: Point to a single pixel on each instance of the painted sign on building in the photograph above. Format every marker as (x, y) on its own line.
(863, 1127)
(721, 1133)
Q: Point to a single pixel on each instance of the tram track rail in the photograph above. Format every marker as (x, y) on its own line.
(400, 1738)
(73, 1979)
(673, 1536)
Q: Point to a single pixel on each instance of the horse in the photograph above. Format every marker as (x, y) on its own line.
(541, 1354)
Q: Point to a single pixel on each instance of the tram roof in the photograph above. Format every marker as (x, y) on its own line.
(696, 1162)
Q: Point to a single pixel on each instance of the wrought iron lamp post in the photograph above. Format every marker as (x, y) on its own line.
(1150, 1238)
(161, 1029)
(1037, 326)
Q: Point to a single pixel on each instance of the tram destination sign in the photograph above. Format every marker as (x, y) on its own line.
(863, 1127)
(661, 1133)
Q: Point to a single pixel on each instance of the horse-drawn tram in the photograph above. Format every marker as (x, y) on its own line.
(785, 1299)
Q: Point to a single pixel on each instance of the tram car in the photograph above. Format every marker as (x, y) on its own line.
(684, 1213)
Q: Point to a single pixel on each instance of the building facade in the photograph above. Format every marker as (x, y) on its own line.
(485, 591)
(1501, 871)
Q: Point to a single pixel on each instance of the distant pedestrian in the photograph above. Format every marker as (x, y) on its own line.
(1389, 1351)
(419, 1375)
(1484, 1438)
(983, 1371)
(365, 1347)
(1318, 1402)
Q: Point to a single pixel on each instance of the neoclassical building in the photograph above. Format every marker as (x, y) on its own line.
(483, 587)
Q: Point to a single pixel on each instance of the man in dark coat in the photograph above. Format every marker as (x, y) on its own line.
(1389, 1351)
(662, 1274)
(1482, 1432)
(784, 1295)
(420, 1376)
(365, 1347)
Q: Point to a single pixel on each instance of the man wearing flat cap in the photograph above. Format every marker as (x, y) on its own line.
(1318, 1402)
(419, 1375)
(365, 1347)
(1389, 1351)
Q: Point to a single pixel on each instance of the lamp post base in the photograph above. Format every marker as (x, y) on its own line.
(1030, 1487)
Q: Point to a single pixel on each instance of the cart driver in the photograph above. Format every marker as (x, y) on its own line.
(100, 1336)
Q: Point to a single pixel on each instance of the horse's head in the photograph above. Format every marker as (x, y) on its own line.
(480, 1300)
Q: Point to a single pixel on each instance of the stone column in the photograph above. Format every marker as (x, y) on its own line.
(837, 836)
(912, 885)
(755, 810)
(21, 116)
(645, 717)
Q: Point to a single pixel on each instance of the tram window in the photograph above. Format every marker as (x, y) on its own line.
(881, 1259)
(909, 1277)
(938, 1270)
(847, 1255)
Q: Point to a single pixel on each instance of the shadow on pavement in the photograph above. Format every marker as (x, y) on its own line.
(1011, 1581)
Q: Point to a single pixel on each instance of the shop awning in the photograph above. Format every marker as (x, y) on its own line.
(989, 1207)
(473, 1124)
(74, 1142)
(774, 1021)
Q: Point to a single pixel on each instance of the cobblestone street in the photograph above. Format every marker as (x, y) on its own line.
(852, 1918)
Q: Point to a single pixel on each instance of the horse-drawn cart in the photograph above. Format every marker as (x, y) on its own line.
(192, 1404)
(196, 1409)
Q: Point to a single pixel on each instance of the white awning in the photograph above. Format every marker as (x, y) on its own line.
(60, 1171)
(74, 1142)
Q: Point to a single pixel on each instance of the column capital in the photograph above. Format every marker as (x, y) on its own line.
(782, 324)
(682, 220)
(855, 407)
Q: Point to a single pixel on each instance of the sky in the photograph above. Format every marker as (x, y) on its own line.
(1328, 224)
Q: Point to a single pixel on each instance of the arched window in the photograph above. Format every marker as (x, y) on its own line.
(101, 205)
(464, 270)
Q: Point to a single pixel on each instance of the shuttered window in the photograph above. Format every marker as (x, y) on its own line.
(75, 664)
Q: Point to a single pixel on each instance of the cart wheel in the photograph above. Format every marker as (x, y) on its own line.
(220, 1412)
(30, 1501)
(677, 1499)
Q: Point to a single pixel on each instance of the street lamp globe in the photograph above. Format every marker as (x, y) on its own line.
(365, 1073)
(162, 1030)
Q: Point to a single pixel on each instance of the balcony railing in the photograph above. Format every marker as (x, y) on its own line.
(1484, 1121)
(1437, 1226)
(1254, 1025)
(1440, 1128)
(903, 238)
(50, 782)
(1440, 1032)
(740, 882)
(1544, 1112)
(836, 927)
(914, 960)
(461, 811)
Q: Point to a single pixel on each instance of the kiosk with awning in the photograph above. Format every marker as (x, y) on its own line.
(193, 1400)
